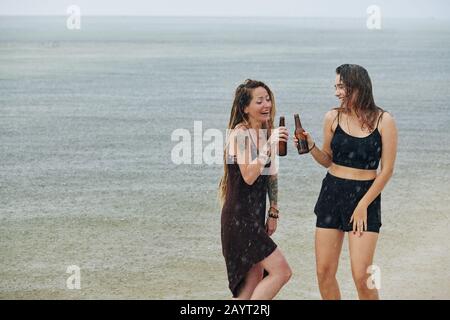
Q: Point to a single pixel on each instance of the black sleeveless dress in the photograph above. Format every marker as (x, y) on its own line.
(245, 240)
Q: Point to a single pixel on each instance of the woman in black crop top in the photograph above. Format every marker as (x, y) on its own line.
(358, 136)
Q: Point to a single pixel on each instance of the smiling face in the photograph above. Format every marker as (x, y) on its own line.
(340, 92)
(258, 111)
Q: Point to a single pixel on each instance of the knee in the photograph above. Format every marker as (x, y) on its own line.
(326, 273)
(288, 273)
(284, 273)
(360, 279)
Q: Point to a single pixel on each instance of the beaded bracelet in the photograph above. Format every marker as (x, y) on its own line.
(275, 214)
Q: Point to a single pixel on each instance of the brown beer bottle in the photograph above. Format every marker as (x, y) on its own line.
(302, 145)
(282, 145)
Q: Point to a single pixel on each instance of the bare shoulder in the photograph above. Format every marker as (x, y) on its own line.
(387, 118)
(236, 139)
(331, 114)
(238, 134)
(387, 123)
(240, 129)
(330, 119)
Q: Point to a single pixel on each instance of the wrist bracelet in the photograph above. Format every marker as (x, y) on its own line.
(314, 145)
(274, 213)
(274, 209)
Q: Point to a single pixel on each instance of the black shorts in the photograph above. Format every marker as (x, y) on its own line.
(338, 199)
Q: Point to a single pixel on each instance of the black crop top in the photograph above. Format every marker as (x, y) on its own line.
(354, 152)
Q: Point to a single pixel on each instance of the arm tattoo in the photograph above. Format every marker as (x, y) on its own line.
(273, 189)
(241, 140)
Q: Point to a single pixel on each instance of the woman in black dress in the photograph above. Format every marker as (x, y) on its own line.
(249, 175)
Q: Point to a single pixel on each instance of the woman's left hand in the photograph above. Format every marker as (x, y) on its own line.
(271, 225)
(359, 219)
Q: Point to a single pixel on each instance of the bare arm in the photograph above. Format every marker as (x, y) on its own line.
(273, 191)
(271, 224)
(323, 156)
(388, 130)
(250, 169)
(240, 143)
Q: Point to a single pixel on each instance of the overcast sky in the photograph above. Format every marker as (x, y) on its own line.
(297, 8)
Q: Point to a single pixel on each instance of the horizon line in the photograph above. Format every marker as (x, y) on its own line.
(218, 16)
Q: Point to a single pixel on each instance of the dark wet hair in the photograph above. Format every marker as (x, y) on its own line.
(242, 98)
(359, 95)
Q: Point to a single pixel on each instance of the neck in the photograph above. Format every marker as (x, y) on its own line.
(350, 111)
(254, 124)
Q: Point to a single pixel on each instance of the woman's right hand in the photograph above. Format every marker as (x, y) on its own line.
(309, 139)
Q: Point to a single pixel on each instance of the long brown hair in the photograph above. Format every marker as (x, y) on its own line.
(242, 98)
(359, 95)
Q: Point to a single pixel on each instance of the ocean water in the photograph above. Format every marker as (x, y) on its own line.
(87, 179)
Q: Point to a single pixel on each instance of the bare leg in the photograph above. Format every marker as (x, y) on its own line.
(328, 250)
(279, 274)
(253, 277)
(362, 250)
